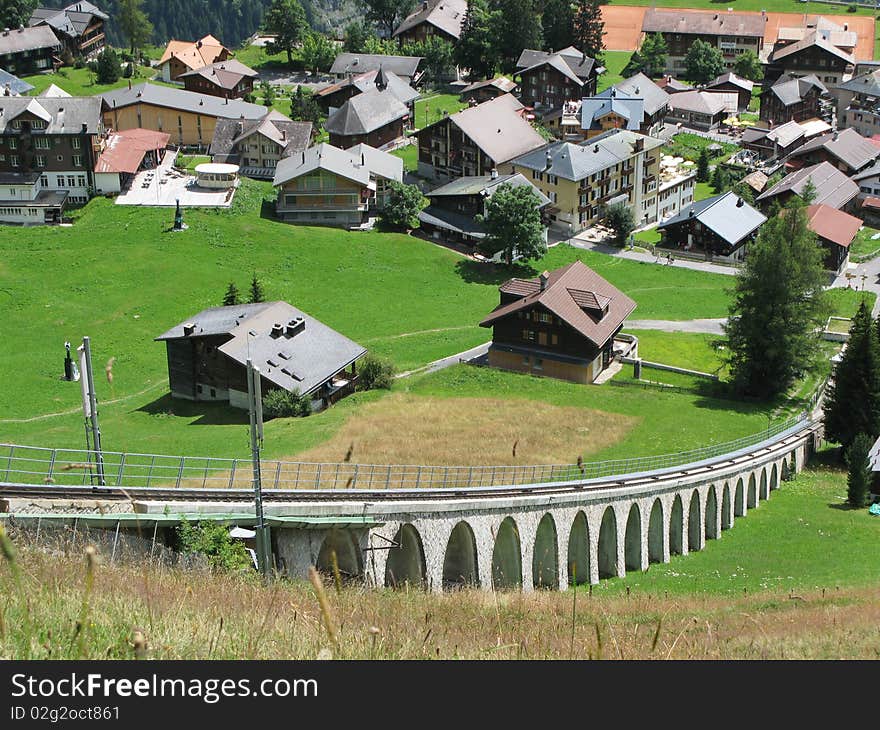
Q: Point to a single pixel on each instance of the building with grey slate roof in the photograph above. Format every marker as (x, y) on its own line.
(350, 64)
(12, 85)
(229, 79)
(721, 226)
(612, 109)
(833, 188)
(79, 26)
(26, 51)
(432, 19)
(548, 80)
(847, 150)
(813, 54)
(257, 145)
(375, 117)
(656, 101)
(857, 103)
(792, 99)
(701, 110)
(208, 354)
(330, 98)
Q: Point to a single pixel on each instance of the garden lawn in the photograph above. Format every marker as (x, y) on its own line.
(844, 302)
(410, 156)
(863, 246)
(690, 146)
(703, 190)
(430, 108)
(691, 350)
(614, 62)
(815, 540)
(80, 81)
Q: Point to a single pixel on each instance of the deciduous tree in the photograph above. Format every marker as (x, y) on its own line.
(317, 52)
(387, 14)
(286, 20)
(476, 50)
(513, 224)
(620, 218)
(703, 62)
(438, 55)
(402, 206)
(516, 26)
(15, 13)
(356, 35)
(748, 65)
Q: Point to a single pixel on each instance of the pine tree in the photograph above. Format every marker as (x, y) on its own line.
(859, 476)
(852, 402)
(517, 26)
(476, 50)
(134, 23)
(108, 69)
(558, 21)
(256, 294)
(589, 28)
(703, 166)
(231, 297)
(778, 306)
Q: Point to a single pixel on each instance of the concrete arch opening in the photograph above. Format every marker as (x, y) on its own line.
(406, 562)
(655, 533)
(752, 494)
(792, 467)
(608, 545)
(763, 489)
(340, 547)
(632, 540)
(785, 474)
(460, 559)
(774, 478)
(545, 558)
(676, 527)
(507, 556)
(726, 508)
(579, 551)
(711, 520)
(695, 524)
(739, 499)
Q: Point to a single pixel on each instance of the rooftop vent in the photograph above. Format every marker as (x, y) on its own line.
(188, 329)
(544, 278)
(277, 330)
(294, 326)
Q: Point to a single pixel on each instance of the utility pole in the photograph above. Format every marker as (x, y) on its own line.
(255, 400)
(90, 405)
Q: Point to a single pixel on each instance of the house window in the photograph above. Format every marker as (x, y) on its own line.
(13, 160)
(77, 161)
(544, 317)
(76, 143)
(528, 335)
(60, 181)
(44, 181)
(539, 364)
(60, 158)
(81, 181)
(13, 143)
(542, 338)
(42, 143)
(554, 339)
(41, 160)
(71, 181)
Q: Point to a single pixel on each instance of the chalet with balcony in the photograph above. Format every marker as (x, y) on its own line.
(60, 139)
(325, 185)
(718, 227)
(847, 150)
(612, 109)
(181, 57)
(814, 55)
(794, 99)
(548, 80)
(333, 97)
(432, 19)
(258, 145)
(208, 354)
(656, 101)
(375, 118)
(559, 325)
(480, 91)
(858, 103)
(31, 50)
(474, 141)
(730, 82)
(732, 33)
(228, 79)
(455, 206)
(79, 27)
(833, 188)
(835, 231)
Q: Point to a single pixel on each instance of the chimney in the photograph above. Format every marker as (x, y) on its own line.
(493, 174)
(294, 326)
(596, 148)
(277, 331)
(188, 329)
(363, 160)
(548, 160)
(739, 202)
(85, 128)
(304, 157)
(544, 278)
(283, 135)
(835, 136)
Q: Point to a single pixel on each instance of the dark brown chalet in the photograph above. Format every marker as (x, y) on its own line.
(560, 325)
(548, 80)
(811, 55)
(793, 100)
(432, 19)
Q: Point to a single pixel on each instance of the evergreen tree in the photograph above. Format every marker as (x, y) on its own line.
(256, 294)
(476, 50)
(304, 108)
(703, 166)
(517, 26)
(438, 55)
(232, 296)
(286, 20)
(387, 14)
(703, 62)
(778, 306)
(134, 23)
(859, 476)
(108, 69)
(589, 28)
(558, 21)
(852, 402)
(654, 51)
(513, 224)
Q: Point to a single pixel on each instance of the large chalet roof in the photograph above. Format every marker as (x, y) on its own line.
(833, 225)
(290, 135)
(367, 81)
(189, 101)
(70, 115)
(356, 164)
(701, 102)
(366, 113)
(613, 101)
(642, 87)
(727, 215)
(828, 29)
(833, 187)
(731, 78)
(194, 54)
(502, 83)
(814, 39)
(447, 15)
(223, 74)
(497, 128)
(793, 90)
(695, 22)
(72, 21)
(33, 38)
(292, 349)
(577, 295)
(847, 145)
(578, 161)
(485, 186)
(570, 62)
(357, 63)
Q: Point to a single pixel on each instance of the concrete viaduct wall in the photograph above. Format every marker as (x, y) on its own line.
(539, 540)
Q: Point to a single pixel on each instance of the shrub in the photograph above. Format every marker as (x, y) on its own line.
(280, 403)
(852, 8)
(79, 62)
(375, 372)
(128, 71)
(212, 540)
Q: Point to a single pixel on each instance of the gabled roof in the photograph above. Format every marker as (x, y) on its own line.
(292, 136)
(302, 360)
(72, 21)
(194, 54)
(447, 15)
(577, 295)
(54, 92)
(672, 85)
(786, 134)
(640, 86)
(355, 166)
(578, 161)
(485, 186)
(814, 39)
(828, 29)
(731, 78)
(834, 225)
(612, 101)
(366, 113)
(223, 74)
(695, 22)
(833, 187)
(502, 83)
(18, 40)
(190, 101)
(793, 90)
(368, 80)
(124, 151)
(570, 62)
(15, 85)
(866, 83)
(727, 215)
(357, 63)
(701, 102)
(847, 145)
(63, 116)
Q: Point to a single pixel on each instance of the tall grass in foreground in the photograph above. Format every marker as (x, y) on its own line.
(51, 607)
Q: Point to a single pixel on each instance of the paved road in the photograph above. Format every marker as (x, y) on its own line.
(705, 326)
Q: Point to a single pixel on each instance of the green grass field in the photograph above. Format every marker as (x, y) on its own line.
(864, 247)
(409, 155)
(615, 62)
(690, 146)
(81, 81)
(431, 107)
(691, 350)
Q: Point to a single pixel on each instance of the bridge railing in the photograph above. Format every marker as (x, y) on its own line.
(37, 465)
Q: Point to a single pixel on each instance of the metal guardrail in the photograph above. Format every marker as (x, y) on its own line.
(66, 467)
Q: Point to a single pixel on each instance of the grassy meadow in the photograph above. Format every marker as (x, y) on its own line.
(793, 579)
(82, 81)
